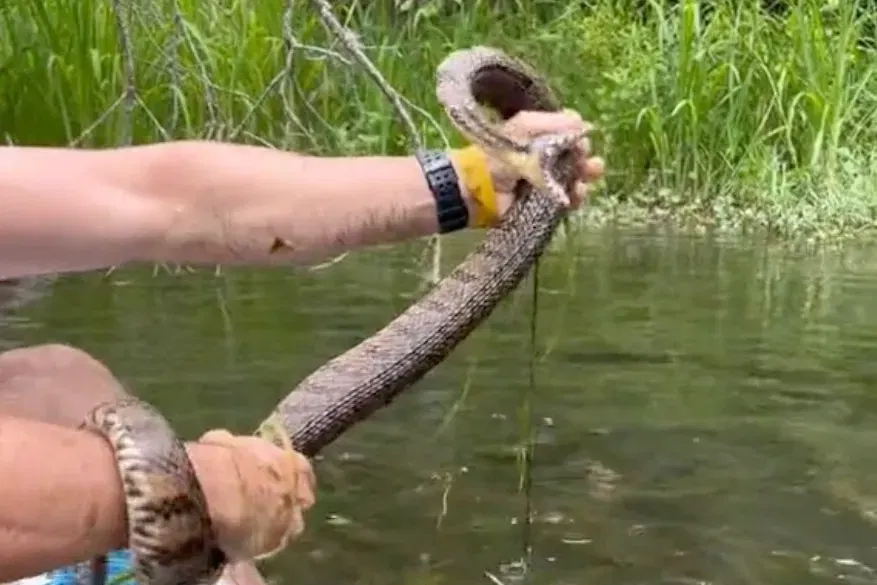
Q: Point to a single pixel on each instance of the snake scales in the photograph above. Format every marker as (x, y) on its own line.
(169, 528)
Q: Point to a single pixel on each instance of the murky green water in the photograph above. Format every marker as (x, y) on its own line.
(704, 412)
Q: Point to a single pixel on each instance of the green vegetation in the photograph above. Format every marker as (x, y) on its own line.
(735, 117)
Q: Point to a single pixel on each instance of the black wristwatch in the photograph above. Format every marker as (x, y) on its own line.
(451, 210)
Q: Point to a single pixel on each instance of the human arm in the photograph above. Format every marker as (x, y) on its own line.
(209, 202)
(199, 202)
(72, 509)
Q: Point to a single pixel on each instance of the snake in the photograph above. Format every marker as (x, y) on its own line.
(169, 529)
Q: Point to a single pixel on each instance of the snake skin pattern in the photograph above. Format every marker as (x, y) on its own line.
(170, 534)
(169, 528)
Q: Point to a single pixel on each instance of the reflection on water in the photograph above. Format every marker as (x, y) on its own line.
(703, 411)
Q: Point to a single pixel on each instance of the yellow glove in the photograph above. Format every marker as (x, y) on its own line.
(474, 172)
(490, 184)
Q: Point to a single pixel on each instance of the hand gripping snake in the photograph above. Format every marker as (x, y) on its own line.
(169, 529)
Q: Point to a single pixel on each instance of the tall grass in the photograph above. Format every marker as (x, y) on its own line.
(731, 115)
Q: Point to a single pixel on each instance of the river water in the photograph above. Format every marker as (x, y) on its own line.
(703, 411)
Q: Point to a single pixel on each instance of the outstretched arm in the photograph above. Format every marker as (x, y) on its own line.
(217, 203)
(200, 202)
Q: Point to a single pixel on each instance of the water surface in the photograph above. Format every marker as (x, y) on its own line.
(703, 411)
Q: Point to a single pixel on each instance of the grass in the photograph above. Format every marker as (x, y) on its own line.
(734, 118)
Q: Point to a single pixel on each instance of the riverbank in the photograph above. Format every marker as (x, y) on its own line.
(741, 118)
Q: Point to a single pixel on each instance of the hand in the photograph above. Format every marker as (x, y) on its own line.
(528, 125)
(256, 492)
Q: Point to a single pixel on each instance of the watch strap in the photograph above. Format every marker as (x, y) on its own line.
(451, 211)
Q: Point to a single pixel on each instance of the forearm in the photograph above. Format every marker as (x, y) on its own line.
(61, 498)
(203, 202)
(257, 205)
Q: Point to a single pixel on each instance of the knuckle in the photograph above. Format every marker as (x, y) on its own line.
(217, 436)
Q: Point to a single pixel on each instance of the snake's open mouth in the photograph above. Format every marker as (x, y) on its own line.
(507, 91)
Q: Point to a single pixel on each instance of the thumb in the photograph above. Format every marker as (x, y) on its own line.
(529, 123)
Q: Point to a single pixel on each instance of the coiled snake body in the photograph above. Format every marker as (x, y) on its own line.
(169, 528)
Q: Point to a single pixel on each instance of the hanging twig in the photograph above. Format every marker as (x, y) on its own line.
(129, 90)
(350, 42)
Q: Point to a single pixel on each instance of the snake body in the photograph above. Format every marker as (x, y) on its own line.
(355, 384)
(169, 529)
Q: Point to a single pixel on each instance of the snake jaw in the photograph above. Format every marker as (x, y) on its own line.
(548, 149)
(536, 162)
(522, 162)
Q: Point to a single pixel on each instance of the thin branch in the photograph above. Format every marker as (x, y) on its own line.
(129, 91)
(351, 42)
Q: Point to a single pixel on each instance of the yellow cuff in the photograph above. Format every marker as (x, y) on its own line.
(471, 165)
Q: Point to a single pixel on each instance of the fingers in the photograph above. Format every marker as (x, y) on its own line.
(276, 486)
(591, 169)
(217, 437)
(294, 464)
(529, 124)
(306, 487)
(588, 170)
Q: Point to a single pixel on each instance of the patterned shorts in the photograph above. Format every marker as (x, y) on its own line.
(118, 563)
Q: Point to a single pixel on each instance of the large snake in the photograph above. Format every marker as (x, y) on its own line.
(169, 528)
